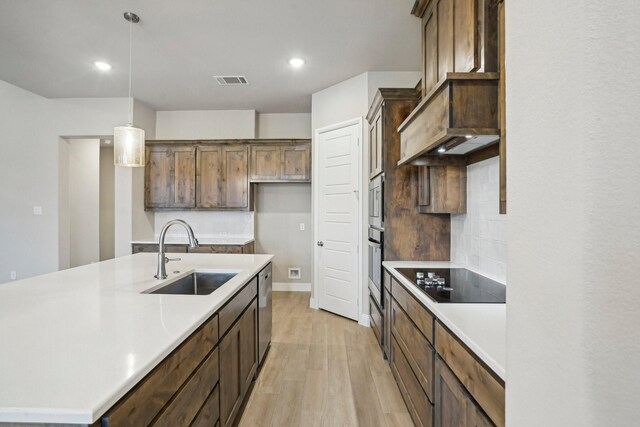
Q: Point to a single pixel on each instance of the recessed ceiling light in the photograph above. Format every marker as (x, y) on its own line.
(441, 150)
(296, 62)
(102, 66)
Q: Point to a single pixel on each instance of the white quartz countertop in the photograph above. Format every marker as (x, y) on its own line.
(72, 343)
(482, 327)
(182, 240)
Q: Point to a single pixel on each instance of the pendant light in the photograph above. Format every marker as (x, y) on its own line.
(128, 141)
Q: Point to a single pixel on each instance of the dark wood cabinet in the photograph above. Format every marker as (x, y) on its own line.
(248, 248)
(170, 177)
(376, 158)
(377, 322)
(486, 391)
(222, 177)
(454, 407)
(442, 189)
(296, 162)
(175, 391)
(408, 235)
(457, 36)
(386, 322)
(280, 162)
(238, 363)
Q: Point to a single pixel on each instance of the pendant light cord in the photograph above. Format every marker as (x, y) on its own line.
(130, 60)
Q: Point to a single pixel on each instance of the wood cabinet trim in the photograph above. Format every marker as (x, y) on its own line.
(480, 381)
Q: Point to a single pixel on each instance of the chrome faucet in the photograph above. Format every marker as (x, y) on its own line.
(162, 258)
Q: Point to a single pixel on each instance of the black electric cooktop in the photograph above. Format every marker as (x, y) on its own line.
(455, 285)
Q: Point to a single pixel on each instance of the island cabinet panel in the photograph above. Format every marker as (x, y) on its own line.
(480, 383)
(454, 406)
(238, 363)
(189, 369)
(284, 162)
(170, 177)
(234, 308)
(210, 412)
(186, 404)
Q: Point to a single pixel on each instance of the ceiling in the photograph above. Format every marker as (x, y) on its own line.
(48, 47)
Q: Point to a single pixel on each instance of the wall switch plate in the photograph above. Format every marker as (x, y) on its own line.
(294, 273)
(13, 275)
(302, 226)
(37, 210)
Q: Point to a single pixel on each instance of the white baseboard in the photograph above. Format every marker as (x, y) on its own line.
(365, 320)
(291, 287)
(313, 303)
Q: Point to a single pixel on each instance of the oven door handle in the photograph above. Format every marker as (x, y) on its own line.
(375, 244)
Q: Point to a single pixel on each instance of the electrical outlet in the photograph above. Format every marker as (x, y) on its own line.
(294, 273)
(37, 210)
(302, 226)
(13, 275)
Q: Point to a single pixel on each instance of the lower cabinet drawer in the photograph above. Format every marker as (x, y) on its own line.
(416, 348)
(210, 411)
(376, 320)
(414, 396)
(186, 404)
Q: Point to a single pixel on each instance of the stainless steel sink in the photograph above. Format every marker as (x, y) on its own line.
(198, 283)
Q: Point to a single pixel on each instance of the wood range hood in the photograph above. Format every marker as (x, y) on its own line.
(457, 117)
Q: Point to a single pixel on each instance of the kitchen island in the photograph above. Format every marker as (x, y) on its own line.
(76, 341)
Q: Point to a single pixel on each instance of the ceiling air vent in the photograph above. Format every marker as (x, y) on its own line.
(231, 80)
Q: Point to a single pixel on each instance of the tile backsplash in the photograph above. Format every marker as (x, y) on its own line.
(479, 237)
(208, 224)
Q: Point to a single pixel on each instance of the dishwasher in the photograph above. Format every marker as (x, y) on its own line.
(264, 311)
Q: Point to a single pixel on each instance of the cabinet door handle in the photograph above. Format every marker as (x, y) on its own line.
(320, 243)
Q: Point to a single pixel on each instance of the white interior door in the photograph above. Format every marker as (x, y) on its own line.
(338, 216)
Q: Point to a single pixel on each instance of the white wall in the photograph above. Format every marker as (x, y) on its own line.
(107, 204)
(232, 124)
(574, 223)
(84, 201)
(28, 177)
(207, 224)
(479, 237)
(280, 209)
(288, 126)
(348, 100)
(142, 221)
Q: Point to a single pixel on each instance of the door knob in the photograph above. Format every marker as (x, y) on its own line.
(320, 243)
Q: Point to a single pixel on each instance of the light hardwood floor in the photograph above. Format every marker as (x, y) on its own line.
(322, 370)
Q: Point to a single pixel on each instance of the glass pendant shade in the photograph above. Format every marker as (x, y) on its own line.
(128, 146)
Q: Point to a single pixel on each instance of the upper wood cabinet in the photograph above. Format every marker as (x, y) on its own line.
(222, 177)
(170, 177)
(457, 36)
(273, 162)
(217, 174)
(376, 158)
(442, 189)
